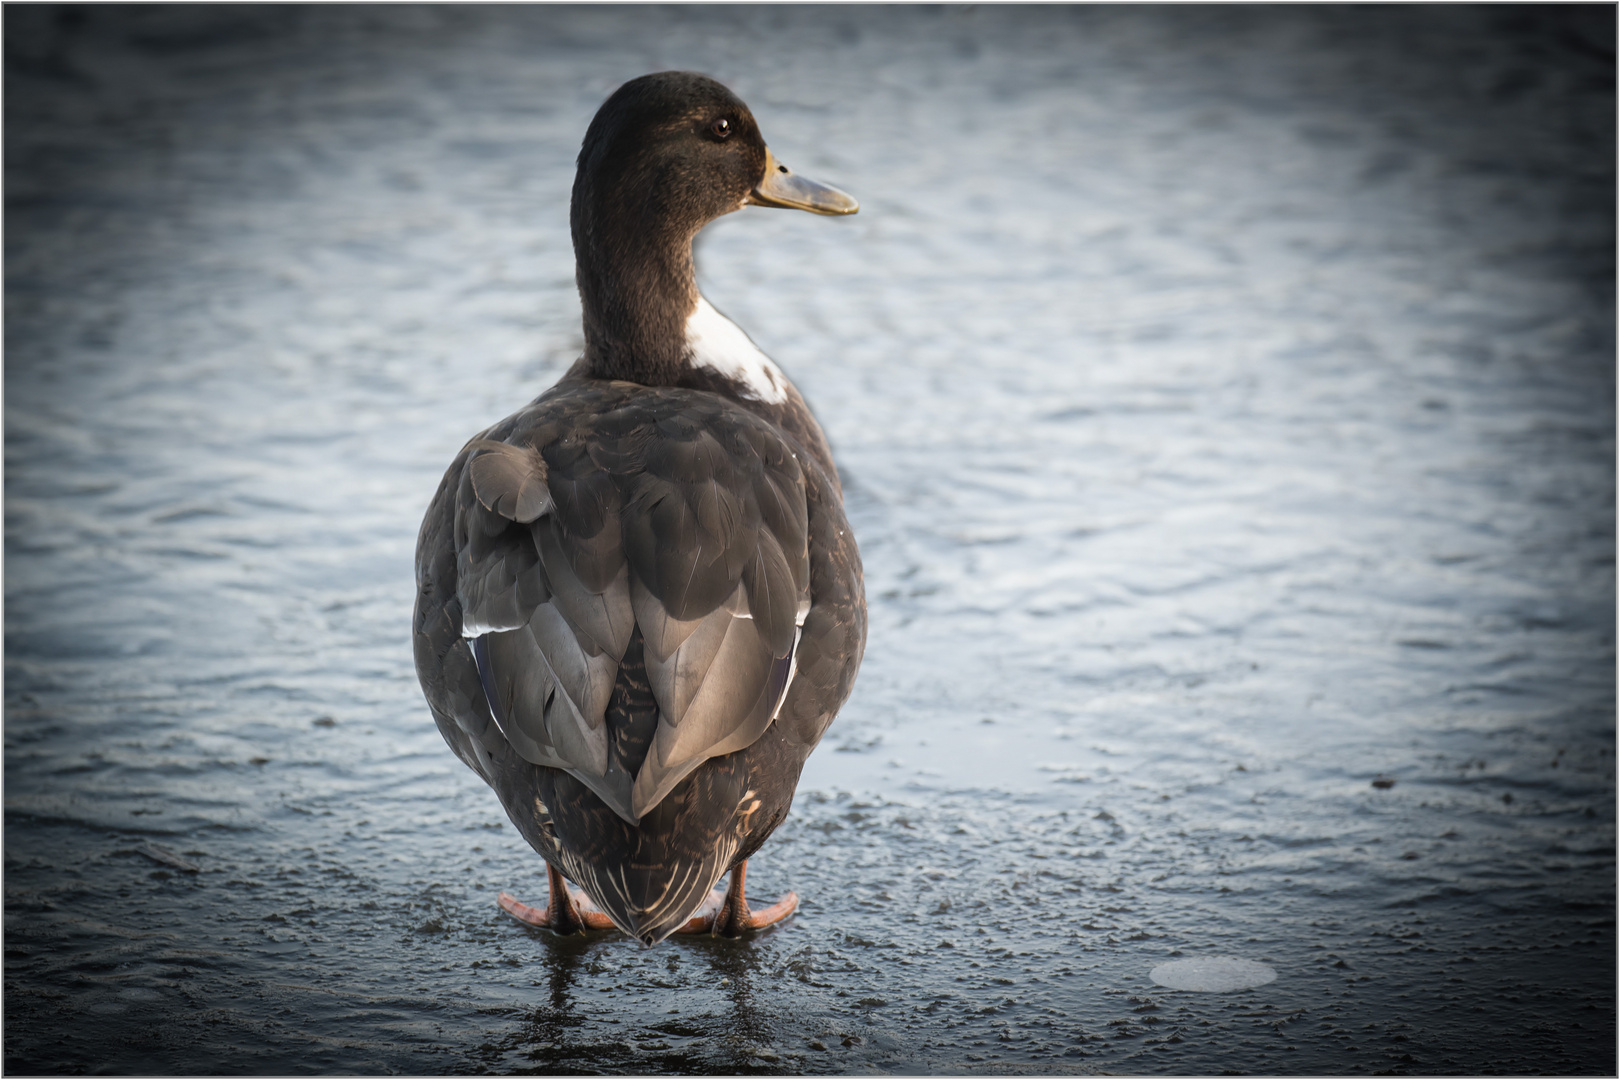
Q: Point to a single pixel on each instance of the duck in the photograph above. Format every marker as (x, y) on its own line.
(639, 600)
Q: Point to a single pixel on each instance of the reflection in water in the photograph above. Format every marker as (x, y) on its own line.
(734, 964)
(1227, 399)
(713, 1026)
(547, 1037)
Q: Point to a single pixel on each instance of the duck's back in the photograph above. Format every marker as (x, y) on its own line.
(624, 582)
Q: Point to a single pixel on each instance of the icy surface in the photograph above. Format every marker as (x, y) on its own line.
(1212, 974)
(1226, 398)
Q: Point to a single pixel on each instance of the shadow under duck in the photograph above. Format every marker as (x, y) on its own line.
(639, 603)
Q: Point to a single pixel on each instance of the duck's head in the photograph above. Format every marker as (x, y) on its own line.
(680, 148)
(666, 154)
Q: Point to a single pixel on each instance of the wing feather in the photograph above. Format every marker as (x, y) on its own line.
(662, 632)
(725, 692)
(602, 617)
(773, 599)
(510, 480)
(497, 569)
(669, 510)
(720, 720)
(677, 677)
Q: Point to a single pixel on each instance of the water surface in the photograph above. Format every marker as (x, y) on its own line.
(1226, 402)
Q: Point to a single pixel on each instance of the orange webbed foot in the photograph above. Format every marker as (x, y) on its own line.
(567, 910)
(742, 918)
(728, 914)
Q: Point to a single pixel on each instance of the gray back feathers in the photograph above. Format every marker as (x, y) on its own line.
(604, 507)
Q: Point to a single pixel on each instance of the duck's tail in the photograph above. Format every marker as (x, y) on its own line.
(650, 903)
(653, 876)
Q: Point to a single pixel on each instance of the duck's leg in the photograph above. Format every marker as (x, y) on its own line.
(566, 911)
(735, 917)
(732, 916)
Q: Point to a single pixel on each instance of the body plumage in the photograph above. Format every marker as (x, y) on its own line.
(639, 601)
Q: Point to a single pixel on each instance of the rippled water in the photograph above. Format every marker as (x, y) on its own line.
(1226, 399)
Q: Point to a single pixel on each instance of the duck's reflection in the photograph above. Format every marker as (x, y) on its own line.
(564, 958)
(735, 965)
(684, 1031)
(545, 1038)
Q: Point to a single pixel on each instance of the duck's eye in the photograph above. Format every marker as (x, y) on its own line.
(720, 128)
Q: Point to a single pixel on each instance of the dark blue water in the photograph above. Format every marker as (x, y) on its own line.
(1226, 401)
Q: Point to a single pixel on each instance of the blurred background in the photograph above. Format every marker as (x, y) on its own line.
(1226, 404)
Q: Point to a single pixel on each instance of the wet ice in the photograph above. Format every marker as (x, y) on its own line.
(1212, 974)
(1226, 406)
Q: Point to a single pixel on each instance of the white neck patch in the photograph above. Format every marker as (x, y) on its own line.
(715, 342)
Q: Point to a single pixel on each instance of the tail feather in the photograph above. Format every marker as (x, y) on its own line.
(650, 905)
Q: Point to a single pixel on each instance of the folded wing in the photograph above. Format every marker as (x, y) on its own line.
(679, 514)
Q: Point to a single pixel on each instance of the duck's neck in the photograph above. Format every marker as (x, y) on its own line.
(646, 322)
(637, 287)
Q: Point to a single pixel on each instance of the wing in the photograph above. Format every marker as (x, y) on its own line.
(672, 511)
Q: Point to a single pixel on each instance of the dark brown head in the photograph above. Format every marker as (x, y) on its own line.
(665, 155)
